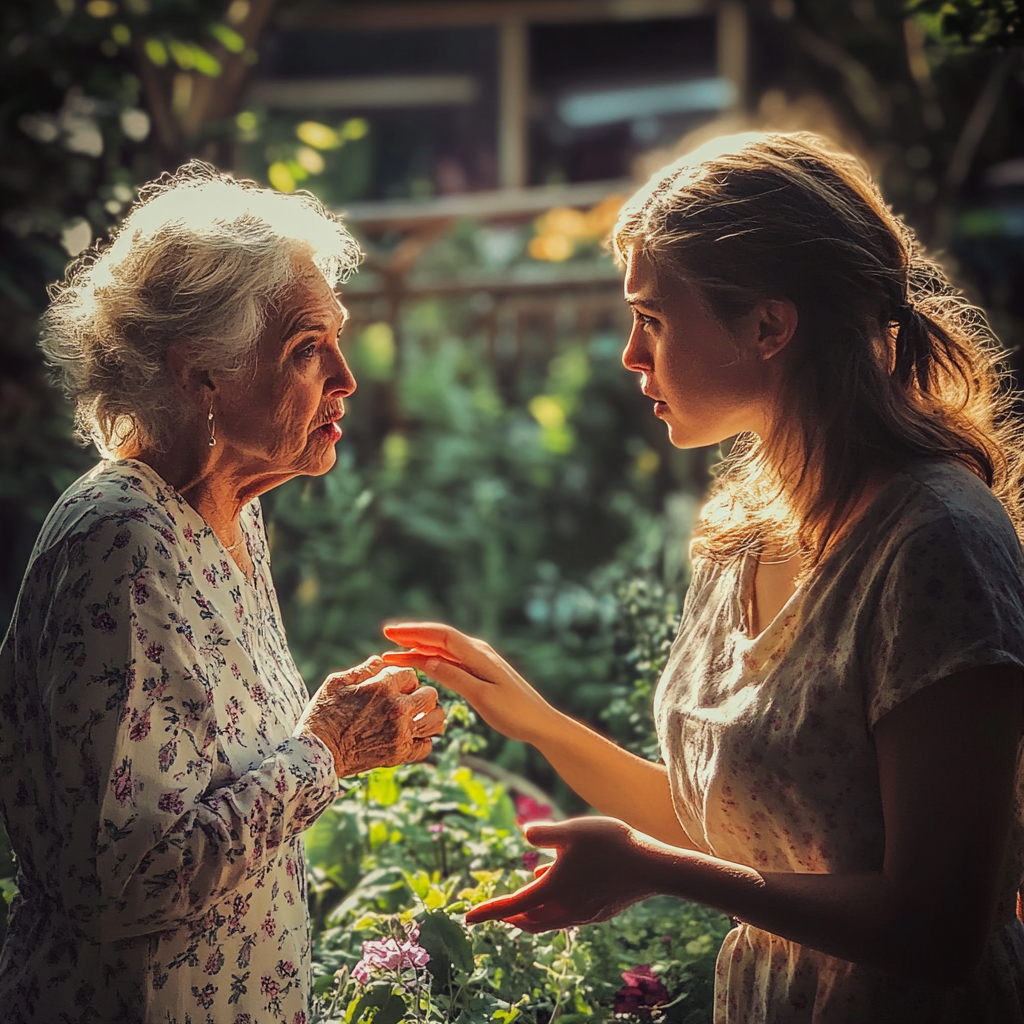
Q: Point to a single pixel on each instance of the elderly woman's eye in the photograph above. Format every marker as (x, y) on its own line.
(307, 351)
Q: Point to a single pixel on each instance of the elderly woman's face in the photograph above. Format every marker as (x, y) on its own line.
(283, 420)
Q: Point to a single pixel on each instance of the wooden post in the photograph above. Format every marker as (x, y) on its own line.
(733, 48)
(513, 100)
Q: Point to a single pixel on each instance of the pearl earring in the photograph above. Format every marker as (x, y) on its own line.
(209, 423)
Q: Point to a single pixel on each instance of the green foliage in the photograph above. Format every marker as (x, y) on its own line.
(415, 848)
(513, 506)
(974, 23)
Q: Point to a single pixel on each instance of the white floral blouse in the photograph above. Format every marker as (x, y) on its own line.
(151, 779)
(768, 740)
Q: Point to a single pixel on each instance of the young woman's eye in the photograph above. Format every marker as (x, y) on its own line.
(643, 319)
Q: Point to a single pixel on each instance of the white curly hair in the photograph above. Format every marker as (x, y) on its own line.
(200, 256)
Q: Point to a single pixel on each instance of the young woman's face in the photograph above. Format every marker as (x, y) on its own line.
(708, 383)
(283, 420)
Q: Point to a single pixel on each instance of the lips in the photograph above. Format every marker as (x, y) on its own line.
(331, 431)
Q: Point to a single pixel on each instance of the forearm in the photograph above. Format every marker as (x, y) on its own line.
(223, 839)
(611, 779)
(864, 917)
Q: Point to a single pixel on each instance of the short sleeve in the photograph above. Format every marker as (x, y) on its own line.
(951, 599)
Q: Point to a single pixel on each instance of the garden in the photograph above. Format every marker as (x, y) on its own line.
(509, 481)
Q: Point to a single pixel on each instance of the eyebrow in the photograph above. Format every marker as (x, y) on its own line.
(306, 323)
(655, 303)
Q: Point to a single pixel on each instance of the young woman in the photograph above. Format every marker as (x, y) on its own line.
(842, 710)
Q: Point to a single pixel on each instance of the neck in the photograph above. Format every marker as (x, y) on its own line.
(201, 478)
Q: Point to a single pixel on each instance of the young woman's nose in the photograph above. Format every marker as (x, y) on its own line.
(636, 355)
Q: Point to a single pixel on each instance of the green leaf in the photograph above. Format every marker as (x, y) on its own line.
(227, 37)
(444, 938)
(383, 787)
(391, 1012)
(156, 52)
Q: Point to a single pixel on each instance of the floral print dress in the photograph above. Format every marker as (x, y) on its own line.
(768, 739)
(152, 779)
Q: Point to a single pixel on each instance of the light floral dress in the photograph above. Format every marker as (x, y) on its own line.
(151, 778)
(768, 740)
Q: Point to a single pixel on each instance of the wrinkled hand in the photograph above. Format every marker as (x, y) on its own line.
(599, 870)
(372, 716)
(474, 670)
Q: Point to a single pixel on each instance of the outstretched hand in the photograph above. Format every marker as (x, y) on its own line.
(474, 670)
(373, 716)
(600, 869)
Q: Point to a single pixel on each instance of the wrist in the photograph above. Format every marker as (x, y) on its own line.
(548, 727)
(309, 729)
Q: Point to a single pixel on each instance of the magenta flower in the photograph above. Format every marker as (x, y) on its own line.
(530, 859)
(528, 809)
(641, 993)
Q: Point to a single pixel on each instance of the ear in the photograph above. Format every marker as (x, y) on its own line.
(194, 382)
(777, 323)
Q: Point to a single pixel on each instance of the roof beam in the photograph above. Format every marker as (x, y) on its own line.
(468, 13)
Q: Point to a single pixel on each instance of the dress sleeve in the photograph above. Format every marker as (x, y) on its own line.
(147, 842)
(951, 599)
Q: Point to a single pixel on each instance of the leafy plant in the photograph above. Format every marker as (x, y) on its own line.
(406, 852)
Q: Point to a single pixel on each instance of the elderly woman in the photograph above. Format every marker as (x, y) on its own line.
(159, 754)
(842, 711)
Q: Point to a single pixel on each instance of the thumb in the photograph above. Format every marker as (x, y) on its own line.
(547, 835)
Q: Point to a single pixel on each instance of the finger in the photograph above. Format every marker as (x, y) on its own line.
(420, 701)
(444, 641)
(548, 835)
(541, 921)
(397, 680)
(358, 673)
(415, 659)
(431, 634)
(421, 748)
(521, 901)
(464, 683)
(429, 723)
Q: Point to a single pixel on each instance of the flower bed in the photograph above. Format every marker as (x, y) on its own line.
(394, 866)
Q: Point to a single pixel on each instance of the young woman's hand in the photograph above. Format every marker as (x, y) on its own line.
(474, 670)
(601, 868)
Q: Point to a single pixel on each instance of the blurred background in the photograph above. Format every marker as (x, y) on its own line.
(500, 470)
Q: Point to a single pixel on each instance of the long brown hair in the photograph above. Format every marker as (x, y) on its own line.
(891, 363)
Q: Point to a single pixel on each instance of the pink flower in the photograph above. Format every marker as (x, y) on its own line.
(530, 859)
(171, 802)
(643, 991)
(140, 726)
(104, 622)
(390, 955)
(528, 809)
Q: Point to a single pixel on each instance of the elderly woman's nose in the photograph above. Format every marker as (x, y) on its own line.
(341, 381)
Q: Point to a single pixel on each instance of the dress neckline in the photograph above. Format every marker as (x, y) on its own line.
(155, 476)
(748, 568)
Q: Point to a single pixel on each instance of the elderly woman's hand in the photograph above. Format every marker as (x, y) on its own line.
(373, 716)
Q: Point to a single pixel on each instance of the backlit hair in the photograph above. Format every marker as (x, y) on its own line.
(200, 257)
(890, 362)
